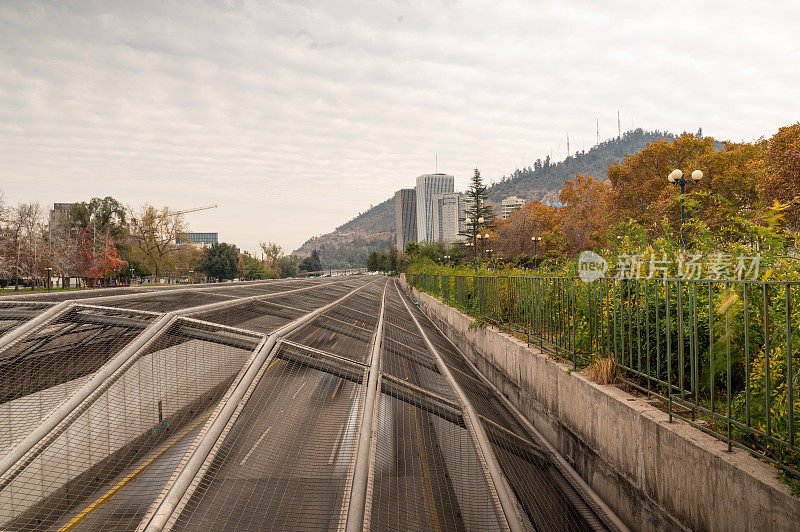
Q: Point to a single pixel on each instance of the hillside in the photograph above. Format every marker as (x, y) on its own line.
(544, 179)
(350, 243)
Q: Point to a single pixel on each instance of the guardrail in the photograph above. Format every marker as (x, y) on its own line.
(720, 354)
(331, 273)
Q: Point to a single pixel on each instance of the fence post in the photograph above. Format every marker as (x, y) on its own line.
(728, 361)
(789, 373)
(669, 349)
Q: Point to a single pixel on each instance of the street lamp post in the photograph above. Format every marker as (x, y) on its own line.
(475, 224)
(468, 221)
(535, 240)
(676, 177)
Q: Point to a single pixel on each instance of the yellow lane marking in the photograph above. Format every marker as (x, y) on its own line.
(127, 480)
(426, 473)
(75, 521)
(338, 385)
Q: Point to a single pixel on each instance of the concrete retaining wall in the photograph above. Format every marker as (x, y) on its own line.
(654, 474)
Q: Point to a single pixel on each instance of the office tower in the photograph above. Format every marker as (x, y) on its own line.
(405, 209)
(447, 211)
(428, 185)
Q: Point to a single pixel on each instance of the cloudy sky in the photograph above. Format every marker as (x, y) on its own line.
(295, 116)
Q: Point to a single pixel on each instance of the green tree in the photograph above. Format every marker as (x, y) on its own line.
(477, 207)
(382, 260)
(392, 258)
(219, 261)
(287, 266)
(372, 261)
(251, 268)
(154, 233)
(311, 263)
(105, 216)
(271, 253)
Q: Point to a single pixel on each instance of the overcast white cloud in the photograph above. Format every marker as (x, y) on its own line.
(294, 116)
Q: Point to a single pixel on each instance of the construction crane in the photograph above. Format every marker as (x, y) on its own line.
(197, 209)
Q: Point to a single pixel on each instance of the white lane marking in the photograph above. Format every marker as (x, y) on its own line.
(253, 448)
(336, 445)
(298, 390)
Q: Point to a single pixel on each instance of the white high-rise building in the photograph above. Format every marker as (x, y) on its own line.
(428, 185)
(447, 211)
(511, 204)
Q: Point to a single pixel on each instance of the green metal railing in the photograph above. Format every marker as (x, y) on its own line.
(720, 354)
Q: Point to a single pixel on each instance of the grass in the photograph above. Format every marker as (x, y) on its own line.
(601, 371)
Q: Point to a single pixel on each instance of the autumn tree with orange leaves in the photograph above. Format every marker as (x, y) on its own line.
(512, 236)
(106, 264)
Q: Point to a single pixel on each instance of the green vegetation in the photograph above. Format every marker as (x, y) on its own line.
(478, 214)
(219, 261)
(311, 263)
(383, 260)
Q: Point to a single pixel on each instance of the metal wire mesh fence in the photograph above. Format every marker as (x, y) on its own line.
(285, 464)
(347, 329)
(720, 354)
(284, 456)
(427, 475)
(15, 313)
(103, 464)
(167, 302)
(45, 366)
(135, 420)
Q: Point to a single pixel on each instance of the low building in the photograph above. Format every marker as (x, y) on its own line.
(60, 213)
(511, 204)
(197, 239)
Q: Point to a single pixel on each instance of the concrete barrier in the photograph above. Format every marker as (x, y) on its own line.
(654, 474)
